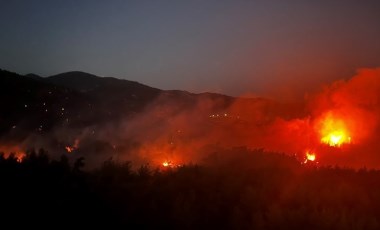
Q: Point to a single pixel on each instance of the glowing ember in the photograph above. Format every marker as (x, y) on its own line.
(167, 164)
(13, 151)
(170, 164)
(334, 132)
(310, 156)
(20, 157)
(69, 149)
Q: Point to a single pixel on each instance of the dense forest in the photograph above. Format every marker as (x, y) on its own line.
(232, 189)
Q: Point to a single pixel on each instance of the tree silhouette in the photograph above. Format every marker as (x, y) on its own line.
(244, 189)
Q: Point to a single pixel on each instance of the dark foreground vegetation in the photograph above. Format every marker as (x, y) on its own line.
(235, 189)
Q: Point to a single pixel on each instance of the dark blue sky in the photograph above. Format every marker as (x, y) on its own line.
(233, 47)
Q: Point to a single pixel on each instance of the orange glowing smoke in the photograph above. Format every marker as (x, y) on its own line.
(334, 131)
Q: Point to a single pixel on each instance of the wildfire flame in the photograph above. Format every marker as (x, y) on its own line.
(167, 164)
(69, 149)
(170, 164)
(310, 156)
(334, 131)
(20, 157)
(16, 151)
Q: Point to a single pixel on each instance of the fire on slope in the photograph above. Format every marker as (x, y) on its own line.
(13, 151)
(333, 130)
(310, 156)
(72, 148)
(340, 123)
(345, 118)
(341, 118)
(349, 109)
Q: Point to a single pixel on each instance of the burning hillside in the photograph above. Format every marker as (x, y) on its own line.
(339, 121)
(333, 131)
(345, 116)
(339, 124)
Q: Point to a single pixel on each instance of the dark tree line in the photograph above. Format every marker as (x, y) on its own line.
(233, 189)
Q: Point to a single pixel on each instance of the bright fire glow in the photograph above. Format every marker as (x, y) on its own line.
(15, 151)
(334, 131)
(170, 164)
(69, 149)
(167, 164)
(310, 156)
(19, 156)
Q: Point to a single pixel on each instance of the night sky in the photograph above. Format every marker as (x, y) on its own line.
(233, 47)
